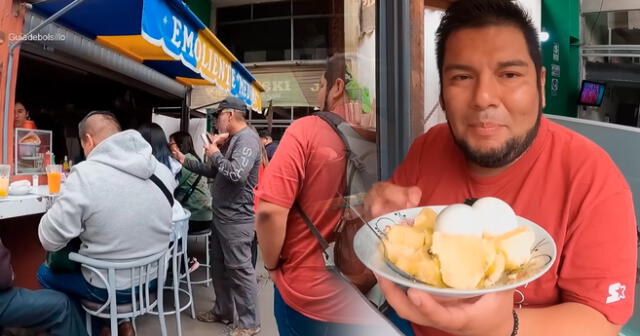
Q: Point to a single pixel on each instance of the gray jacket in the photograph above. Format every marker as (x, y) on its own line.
(235, 174)
(112, 205)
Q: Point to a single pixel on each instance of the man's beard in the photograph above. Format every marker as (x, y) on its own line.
(505, 154)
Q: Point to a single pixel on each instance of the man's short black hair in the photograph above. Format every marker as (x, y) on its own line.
(482, 13)
(264, 133)
(336, 69)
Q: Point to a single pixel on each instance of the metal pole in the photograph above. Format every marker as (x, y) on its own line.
(9, 76)
(292, 32)
(393, 78)
(185, 113)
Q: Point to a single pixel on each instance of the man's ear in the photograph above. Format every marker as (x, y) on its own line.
(89, 140)
(338, 88)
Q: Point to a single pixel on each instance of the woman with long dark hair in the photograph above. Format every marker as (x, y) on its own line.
(156, 137)
(192, 191)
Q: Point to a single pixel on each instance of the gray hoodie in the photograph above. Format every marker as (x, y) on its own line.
(112, 205)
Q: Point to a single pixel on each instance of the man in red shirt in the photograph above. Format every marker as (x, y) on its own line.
(497, 143)
(309, 170)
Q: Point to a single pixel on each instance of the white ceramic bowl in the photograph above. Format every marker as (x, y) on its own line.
(366, 245)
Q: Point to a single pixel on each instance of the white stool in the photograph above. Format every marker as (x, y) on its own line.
(178, 253)
(206, 234)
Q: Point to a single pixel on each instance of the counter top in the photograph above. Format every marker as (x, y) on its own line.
(38, 201)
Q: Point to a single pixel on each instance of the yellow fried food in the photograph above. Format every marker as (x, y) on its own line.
(396, 252)
(463, 259)
(411, 263)
(429, 271)
(407, 236)
(516, 246)
(426, 219)
(494, 273)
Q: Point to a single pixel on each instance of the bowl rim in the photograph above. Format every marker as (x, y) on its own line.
(452, 292)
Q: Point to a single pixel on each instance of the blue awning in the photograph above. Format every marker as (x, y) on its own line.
(164, 35)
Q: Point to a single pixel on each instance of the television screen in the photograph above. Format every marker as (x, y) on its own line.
(591, 93)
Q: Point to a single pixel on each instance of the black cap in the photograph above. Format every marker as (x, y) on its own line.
(233, 103)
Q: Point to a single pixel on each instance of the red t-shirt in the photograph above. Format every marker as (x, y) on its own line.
(309, 168)
(564, 183)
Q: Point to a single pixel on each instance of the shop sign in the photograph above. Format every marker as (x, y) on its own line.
(162, 27)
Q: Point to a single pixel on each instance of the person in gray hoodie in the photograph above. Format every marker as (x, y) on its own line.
(234, 159)
(112, 204)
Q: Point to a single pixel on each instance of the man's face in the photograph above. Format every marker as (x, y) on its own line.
(223, 121)
(263, 141)
(20, 115)
(491, 94)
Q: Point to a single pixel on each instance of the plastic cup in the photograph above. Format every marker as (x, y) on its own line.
(54, 176)
(5, 171)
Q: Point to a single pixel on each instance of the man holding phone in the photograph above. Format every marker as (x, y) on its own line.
(233, 161)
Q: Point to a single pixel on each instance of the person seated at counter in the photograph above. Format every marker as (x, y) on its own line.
(110, 202)
(45, 309)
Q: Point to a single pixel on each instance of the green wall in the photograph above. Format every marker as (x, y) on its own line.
(202, 9)
(561, 19)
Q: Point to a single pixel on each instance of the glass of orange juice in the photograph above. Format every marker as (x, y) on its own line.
(5, 171)
(54, 175)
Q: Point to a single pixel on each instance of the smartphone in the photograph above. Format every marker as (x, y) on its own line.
(205, 138)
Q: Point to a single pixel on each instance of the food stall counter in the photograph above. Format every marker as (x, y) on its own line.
(38, 201)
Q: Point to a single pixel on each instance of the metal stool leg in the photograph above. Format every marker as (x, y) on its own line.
(206, 261)
(186, 267)
(208, 258)
(176, 288)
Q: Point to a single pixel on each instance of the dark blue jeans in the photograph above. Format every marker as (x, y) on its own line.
(42, 309)
(403, 325)
(77, 287)
(292, 323)
(74, 285)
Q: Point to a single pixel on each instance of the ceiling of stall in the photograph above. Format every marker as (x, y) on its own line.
(442, 4)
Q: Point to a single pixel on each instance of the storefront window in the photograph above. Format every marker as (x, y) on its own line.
(311, 38)
(317, 28)
(271, 10)
(612, 37)
(314, 7)
(314, 30)
(235, 13)
(241, 40)
(611, 55)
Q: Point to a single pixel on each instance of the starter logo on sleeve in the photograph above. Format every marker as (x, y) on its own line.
(616, 292)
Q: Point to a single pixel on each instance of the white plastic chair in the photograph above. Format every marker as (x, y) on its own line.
(143, 298)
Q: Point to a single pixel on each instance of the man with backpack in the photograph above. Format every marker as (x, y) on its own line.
(308, 179)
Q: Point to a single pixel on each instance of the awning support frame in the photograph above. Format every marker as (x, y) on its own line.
(9, 75)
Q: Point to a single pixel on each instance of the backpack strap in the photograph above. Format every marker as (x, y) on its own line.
(324, 245)
(335, 121)
(191, 189)
(162, 187)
